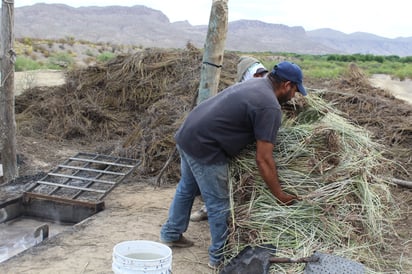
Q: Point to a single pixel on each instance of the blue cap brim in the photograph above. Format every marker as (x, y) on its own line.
(302, 90)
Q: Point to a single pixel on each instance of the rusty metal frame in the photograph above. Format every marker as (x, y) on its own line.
(85, 174)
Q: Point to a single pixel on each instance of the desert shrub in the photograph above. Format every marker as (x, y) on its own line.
(70, 40)
(24, 63)
(88, 60)
(33, 56)
(105, 56)
(62, 59)
(27, 41)
(89, 52)
(46, 53)
(28, 51)
(50, 43)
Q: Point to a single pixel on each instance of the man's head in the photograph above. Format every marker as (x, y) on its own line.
(260, 72)
(249, 67)
(256, 70)
(288, 71)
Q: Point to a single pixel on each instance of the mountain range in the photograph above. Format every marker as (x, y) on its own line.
(142, 26)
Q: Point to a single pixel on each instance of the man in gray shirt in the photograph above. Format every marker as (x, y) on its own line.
(247, 68)
(217, 130)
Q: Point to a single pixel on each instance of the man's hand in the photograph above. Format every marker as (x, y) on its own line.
(267, 168)
(287, 199)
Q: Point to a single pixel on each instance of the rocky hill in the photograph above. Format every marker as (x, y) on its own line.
(146, 27)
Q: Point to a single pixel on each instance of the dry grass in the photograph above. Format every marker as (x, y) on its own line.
(139, 99)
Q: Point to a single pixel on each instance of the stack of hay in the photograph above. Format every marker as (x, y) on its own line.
(337, 169)
(388, 119)
(137, 100)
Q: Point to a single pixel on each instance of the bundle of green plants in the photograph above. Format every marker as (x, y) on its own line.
(335, 168)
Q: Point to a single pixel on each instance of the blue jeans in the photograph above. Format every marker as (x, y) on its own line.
(212, 182)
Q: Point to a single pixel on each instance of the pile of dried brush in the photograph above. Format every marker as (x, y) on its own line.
(387, 118)
(139, 99)
(338, 170)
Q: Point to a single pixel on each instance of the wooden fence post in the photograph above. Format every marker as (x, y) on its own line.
(213, 50)
(7, 115)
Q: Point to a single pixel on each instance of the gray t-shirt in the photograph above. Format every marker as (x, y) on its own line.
(221, 126)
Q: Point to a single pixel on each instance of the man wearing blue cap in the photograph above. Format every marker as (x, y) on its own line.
(247, 68)
(217, 130)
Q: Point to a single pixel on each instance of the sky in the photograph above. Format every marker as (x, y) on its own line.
(390, 19)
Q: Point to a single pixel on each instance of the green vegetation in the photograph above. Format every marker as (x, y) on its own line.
(60, 60)
(25, 63)
(105, 56)
(64, 53)
(331, 66)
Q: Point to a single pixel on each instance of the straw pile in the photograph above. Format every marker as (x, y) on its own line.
(337, 169)
(137, 100)
(388, 119)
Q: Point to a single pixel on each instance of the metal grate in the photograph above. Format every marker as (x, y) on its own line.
(84, 177)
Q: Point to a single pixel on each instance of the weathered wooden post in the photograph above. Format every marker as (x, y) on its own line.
(7, 115)
(213, 50)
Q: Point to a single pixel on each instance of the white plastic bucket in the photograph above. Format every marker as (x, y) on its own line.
(138, 257)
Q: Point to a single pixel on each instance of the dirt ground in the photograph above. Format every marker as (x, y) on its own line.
(135, 210)
(29, 79)
(400, 89)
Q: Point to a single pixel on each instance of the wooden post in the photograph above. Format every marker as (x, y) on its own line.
(7, 115)
(213, 50)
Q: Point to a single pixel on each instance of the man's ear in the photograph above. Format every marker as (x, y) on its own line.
(288, 84)
(284, 85)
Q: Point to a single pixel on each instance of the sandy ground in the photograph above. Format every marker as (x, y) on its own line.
(134, 210)
(400, 89)
(30, 79)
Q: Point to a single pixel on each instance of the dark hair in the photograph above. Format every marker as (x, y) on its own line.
(275, 78)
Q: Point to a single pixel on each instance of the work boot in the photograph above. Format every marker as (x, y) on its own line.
(199, 215)
(182, 242)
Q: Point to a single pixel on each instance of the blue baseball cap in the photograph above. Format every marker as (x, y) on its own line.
(291, 72)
